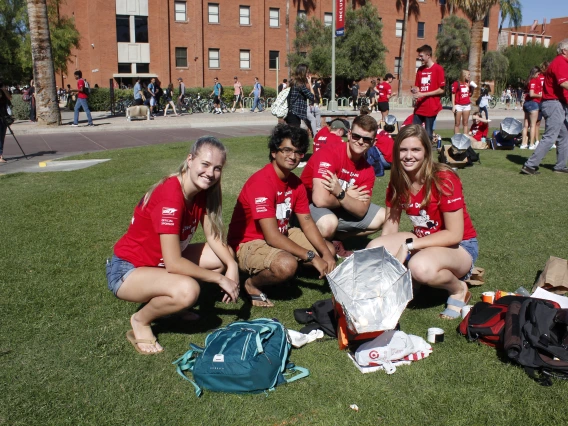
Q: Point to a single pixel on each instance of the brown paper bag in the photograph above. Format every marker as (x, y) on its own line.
(554, 277)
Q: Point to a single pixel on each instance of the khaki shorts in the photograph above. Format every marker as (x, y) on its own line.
(256, 255)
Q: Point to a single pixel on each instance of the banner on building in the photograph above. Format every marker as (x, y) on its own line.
(339, 18)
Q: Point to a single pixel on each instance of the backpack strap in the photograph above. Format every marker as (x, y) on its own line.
(186, 363)
(304, 372)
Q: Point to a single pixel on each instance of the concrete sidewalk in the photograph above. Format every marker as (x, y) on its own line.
(42, 143)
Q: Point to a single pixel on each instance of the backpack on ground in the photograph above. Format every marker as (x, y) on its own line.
(26, 96)
(243, 357)
(536, 337)
(280, 105)
(320, 316)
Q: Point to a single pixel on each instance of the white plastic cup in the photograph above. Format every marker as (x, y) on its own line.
(472, 84)
(465, 310)
(435, 335)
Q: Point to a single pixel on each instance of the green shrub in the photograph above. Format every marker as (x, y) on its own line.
(20, 109)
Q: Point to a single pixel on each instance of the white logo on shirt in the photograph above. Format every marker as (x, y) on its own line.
(168, 211)
(324, 164)
(260, 200)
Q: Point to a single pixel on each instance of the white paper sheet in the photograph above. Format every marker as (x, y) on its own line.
(540, 293)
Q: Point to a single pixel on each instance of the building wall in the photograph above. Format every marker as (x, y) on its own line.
(547, 34)
(96, 21)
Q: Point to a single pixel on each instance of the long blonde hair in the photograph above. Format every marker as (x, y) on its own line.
(214, 207)
(463, 75)
(399, 179)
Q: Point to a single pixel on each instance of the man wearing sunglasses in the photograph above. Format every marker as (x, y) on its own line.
(340, 183)
(268, 248)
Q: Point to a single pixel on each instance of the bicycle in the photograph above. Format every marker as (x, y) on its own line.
(492, 102)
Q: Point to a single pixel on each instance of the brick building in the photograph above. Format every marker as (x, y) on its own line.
(546, 33)
(198, 40)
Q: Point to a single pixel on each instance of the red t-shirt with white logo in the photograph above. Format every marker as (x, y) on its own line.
(265, 195)
(336, 161)
(556, 74)
(81, 85)
(385, 143)
(536, 86)
(428, 80)
(385, 90)
(165, 213)
(461, 90)
(429, 220)
(479, 130)
(326, 138)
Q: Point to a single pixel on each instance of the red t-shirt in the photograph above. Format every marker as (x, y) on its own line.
(385, 90)
(536, 86)
(461, 90)
(165, 213)
(326, 138)
(556, 74)
(429, 220)
(265, 195)
(80, 85)
(385, 143)
(408, 120)
(336, 161)
(428, 80)
(479, 130)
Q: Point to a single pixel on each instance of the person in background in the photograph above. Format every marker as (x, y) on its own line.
(256, 91)
(32, 93)
(461, 104)
(238, 88)
(5, 102)
(332, 135)
(152, 98)
(169, 94)
(478, 131)
(216, 93)
(384, 92)
(181, 91)
(443, 246)
(138, 93)
(301, 91)
(283, 85)
(543, 67)
(154, 263)
(531, 108)
(355, 95)
(82, 102)
(484, 98)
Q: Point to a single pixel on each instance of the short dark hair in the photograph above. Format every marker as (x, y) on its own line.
(298, 136)
(78, 73)
(389, 75)
(285, 80)
(425, 49)
(367, 123)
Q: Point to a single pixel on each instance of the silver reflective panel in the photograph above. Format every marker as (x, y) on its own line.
(460, 142)
(373, 288)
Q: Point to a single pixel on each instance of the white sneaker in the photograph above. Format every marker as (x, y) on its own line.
(524, 146)
(553, 146)
(233, 110)
(533, 147)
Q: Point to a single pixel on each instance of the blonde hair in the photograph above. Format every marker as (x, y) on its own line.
(399, 179)
(463, 74)
(214, 206)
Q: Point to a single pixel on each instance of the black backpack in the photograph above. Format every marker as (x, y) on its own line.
(536, 337)
(261, 91)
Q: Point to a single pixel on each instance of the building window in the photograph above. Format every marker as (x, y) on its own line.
(213, 9)
(418, 64)
(181, 57)
(520, 39)
(273, 59)
(439, 28)
(140, 29)
(244, 15)
(302, 16)
(303, 54)
(328, 19)
(214, 61)
(122, 29)
(530, 39)
(274, 17)
(421, 29)
(486, 21)
(180, 11)
(124, 68)
(398, 28)
(546, 41)
(143, 68)
(397, 66)
(244, 59)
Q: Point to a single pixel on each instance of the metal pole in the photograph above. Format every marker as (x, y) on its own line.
(277, 66)
(332, 105)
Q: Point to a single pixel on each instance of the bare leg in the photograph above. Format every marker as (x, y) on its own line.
(457, 121)
(465, 120)
(533, 118)
(282, 269)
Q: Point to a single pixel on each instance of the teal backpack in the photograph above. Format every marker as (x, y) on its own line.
(243, 357)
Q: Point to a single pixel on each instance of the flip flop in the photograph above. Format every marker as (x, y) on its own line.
(257, 297)
(450, 313)
(135, 341)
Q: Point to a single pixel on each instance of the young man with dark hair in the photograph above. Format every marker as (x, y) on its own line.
(384, 91)
(181, 96)
(81, 102)
(267, 248)
(283, 85)
(256, 91)
(216, 93)
(429, 87)
(340, 184)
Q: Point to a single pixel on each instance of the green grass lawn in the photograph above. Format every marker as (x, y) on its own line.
(64, 358)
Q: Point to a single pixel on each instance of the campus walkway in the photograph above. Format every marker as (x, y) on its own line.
(42, 143)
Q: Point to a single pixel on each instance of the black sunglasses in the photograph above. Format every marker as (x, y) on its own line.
(366, 139)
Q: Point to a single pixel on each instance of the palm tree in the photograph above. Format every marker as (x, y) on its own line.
(512, 10)
(476, 11)
(44, 72)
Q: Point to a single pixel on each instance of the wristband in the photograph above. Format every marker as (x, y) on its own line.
(341, 195)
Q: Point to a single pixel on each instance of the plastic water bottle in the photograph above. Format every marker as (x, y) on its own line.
(483, 139)
(521, 291)
(439, 144)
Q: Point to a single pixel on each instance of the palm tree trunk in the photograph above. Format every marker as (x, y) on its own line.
(44, 72)
(402, 49)
(475, 55)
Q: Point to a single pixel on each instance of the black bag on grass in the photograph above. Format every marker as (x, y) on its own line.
(536, 337)
(320, 316)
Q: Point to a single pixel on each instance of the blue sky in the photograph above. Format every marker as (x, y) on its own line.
(539, 9)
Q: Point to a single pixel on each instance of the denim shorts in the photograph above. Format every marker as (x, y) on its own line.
(472, 248)
(531, 106)
(117, 270)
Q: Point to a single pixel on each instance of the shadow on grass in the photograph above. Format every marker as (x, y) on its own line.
(517, 159)
(428, 297)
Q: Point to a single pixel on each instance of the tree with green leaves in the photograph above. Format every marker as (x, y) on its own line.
(511, 9)
(523, 58)
(494, 67)
(359, 54)
(13, 28)
(452, 50)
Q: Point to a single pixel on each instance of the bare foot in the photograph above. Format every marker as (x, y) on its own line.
(253, 291)
(144, 332)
